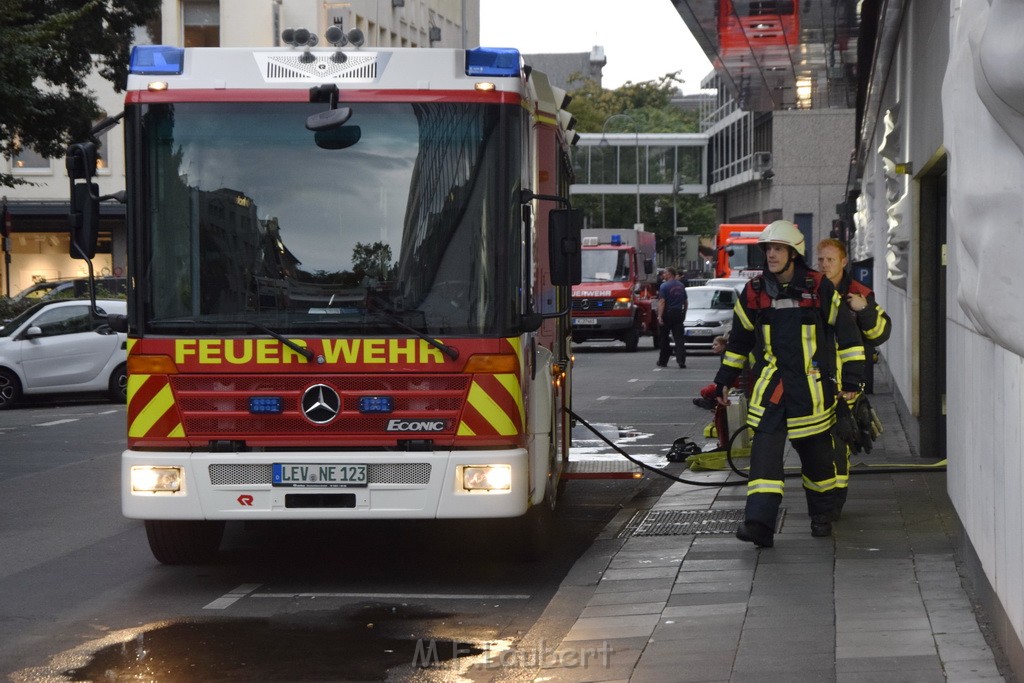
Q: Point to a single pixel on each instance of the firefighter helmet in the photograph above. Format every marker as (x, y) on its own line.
(783, 232)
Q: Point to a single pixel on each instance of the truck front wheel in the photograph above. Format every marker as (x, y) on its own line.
(184, 541)
(632, 339)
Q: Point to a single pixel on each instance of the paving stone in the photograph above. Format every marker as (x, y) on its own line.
(983, 669)
(708, 598)
(962, 646)
(622, 609)
(639, 573)
(711, 587)
(613, 627)
(611, 586)
(884, 643)
(627, 597)
(886, 664)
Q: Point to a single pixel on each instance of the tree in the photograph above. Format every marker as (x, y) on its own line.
(649, 104)
(49, 48)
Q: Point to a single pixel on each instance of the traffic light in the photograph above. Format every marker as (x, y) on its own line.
(681, 246)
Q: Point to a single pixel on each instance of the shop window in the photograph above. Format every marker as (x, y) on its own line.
(201, 22)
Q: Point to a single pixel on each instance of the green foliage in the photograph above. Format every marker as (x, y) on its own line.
(649, 104)
(49, 48)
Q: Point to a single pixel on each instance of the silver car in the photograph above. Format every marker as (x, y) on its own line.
(61, 347)
(708, 315)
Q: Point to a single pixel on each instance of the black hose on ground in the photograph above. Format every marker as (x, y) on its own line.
(732, 465)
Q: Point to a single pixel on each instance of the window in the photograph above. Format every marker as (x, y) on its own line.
(201, 21)
(64, 320)
(27, 160)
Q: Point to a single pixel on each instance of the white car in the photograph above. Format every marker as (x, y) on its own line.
(737, 283)
(708, 315)
(60, 347)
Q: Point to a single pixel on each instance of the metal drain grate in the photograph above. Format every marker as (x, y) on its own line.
(683, 522)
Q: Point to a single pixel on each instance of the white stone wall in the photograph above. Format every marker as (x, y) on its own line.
(983, 116)
(957, 90)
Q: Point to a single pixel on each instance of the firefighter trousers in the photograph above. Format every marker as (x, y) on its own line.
(765, 486)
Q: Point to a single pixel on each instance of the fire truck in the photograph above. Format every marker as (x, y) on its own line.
(619, 283)
(350, 287)
(736, 250)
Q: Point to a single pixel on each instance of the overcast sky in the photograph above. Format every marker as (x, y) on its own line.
(642, 39)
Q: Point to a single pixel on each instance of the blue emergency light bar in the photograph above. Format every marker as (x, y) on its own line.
(157, 60)
(376, 404)
(265, 405)
(492, 61)
(616, 240)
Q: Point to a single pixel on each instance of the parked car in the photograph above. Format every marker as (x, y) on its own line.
(708, 315)
(73, 288)
(60, 347)
(737, 283)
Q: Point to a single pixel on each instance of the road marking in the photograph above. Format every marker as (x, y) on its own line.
(603, 398)
(108, 412)
(55, 422)
(234, 596)
(395, 596)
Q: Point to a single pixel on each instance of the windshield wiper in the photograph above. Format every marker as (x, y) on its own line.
(449, 351)
(301, 350)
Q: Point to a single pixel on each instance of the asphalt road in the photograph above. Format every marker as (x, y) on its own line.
(81, 598)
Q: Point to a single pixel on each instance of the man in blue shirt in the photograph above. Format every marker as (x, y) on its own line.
(671, 313)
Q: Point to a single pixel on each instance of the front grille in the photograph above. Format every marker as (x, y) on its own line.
(376, 473)
(593, 305)
(216, 407)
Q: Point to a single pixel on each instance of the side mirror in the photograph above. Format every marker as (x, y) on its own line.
(118, 322)
(84, 220)
(564, 227)
(648, 266)
(32, 332)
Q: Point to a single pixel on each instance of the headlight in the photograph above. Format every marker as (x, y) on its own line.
(622, 303)
(147, 479)
(487, 477)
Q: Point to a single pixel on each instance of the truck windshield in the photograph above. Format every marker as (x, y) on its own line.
(605, 265)
(241, 215)
(746, 257)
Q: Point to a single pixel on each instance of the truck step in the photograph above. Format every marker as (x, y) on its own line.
(602, 469)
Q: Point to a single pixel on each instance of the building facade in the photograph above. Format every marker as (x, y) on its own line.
(789, 164)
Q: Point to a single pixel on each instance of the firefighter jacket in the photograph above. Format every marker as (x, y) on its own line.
(873, 322)
(795, 337)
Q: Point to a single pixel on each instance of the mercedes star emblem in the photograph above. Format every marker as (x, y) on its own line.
(320, 404)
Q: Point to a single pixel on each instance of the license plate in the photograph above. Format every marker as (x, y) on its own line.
(699, 332)
(584, 321)
(319, 476)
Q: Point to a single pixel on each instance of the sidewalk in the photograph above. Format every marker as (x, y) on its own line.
(881, 599)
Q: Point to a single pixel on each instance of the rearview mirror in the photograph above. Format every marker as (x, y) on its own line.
(566, 259)
(338, 138)
(84, 220)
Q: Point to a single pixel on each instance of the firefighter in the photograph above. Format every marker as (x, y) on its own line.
(787, 318)
(873, 323)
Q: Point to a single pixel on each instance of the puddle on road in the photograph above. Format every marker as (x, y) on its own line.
(588, 446)
(302, 646)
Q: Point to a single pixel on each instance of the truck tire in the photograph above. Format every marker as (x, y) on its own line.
(184, 541)
(632, 339)
(530, 535)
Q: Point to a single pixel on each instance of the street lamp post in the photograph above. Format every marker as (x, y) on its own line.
(636, 155)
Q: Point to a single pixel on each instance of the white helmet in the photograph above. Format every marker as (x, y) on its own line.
(783, 232)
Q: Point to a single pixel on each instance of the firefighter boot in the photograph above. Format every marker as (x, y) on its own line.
(838, 502)
(821, 525)
(756, 533)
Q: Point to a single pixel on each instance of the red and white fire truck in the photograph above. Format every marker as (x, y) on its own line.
(619, 283)
(350, 288)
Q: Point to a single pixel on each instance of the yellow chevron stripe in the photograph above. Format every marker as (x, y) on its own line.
(512, 386)
(490, 411)
(148, 416)
(464, 430)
